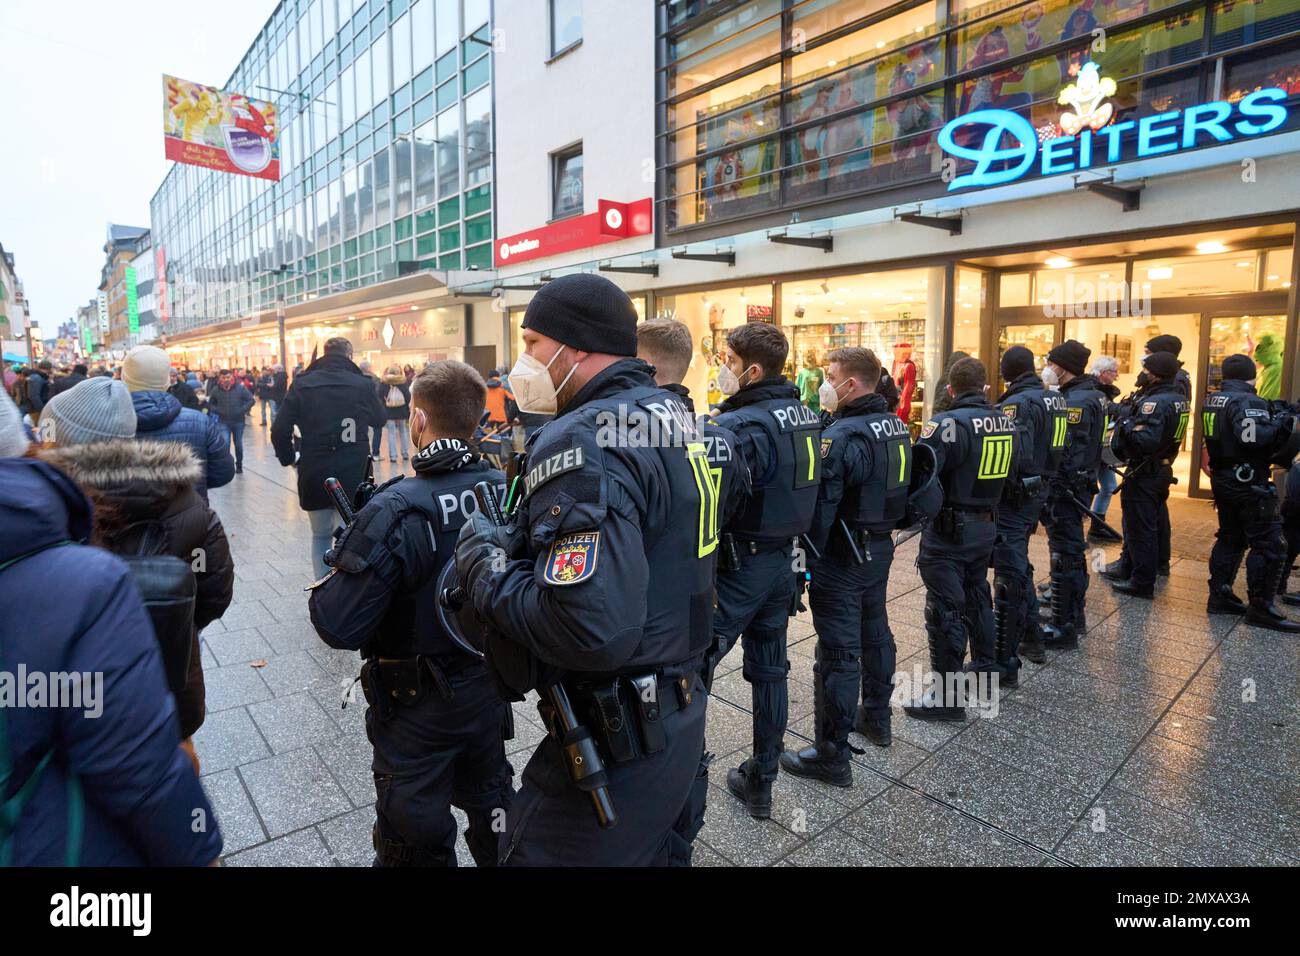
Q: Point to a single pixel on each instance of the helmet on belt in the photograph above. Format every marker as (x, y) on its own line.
(924, 493)
(456, 614)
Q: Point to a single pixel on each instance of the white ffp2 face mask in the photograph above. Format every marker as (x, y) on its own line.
(828, 396)
(531, 383)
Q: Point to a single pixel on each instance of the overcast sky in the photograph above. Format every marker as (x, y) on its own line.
(81, 113)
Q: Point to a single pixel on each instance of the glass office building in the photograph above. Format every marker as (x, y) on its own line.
(386, 164)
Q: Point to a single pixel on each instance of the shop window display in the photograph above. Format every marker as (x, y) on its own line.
(709, 316)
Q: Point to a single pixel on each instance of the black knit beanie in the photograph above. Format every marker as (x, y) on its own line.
(1162, 364)
(1165, 343)
(1016, 361)
(586, 312)
(1071, 356)
(1239, 367)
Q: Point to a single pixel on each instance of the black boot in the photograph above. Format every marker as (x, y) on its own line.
(824, 761)
(1223, 601)
(1006, 633)
(1262, 612)
(877, 731)
(1031, 644)
(932, 704)
(1060, 632)
(746, 785)
(1117, 570)
(1135, 590)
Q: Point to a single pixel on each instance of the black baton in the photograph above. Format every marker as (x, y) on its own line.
(340, 499)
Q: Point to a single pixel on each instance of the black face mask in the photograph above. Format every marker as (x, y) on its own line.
(1143, 379)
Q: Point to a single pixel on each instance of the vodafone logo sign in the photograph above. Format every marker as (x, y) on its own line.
(611, 222)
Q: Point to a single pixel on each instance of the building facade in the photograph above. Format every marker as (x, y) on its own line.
(386, 190)
(120, 248)
(15, 313)
(923, 178)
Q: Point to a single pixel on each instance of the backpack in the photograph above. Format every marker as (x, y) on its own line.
(11, 808)
(169, 590)
(395, 398)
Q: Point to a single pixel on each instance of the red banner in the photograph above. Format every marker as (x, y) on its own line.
(613, 221)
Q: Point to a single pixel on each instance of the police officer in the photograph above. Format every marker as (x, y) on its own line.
(975, 446)
(608, 584)
(435, 718)
(866, 469)
(1148, 440)
(666, 344)
(1039, 415)
(1242, 435)
(779, 438)
(1075, 480)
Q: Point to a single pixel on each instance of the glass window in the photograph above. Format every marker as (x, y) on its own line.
(816, 17)
(448, 28)
(365, 96)
(401, 32)
(366, 197)
(446, 67)
(402, 177)
(1259, 69)
(426, 221)
(478, 230)
(479, 257)
(972, 286)
(723, 47)
(426, 166)
(1277, 269)
(350, 203)
(476, 14)
(1013, 289)
(446, 95)
(449, 238)
(449, 210)
(348, 92)
(1193, 275)
(566, 24)
(478, 137)
(422, 32)
(478, 200)
(476, 74)
(423, 111)
(566, 192)
(422, 84)
(449, 152)
(383, 188)
(709, 316)
(730, 113)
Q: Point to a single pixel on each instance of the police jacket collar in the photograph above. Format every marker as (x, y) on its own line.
(1237, 385)
(333, 360)
(443, 455)
(619, 377)
(1157, 388)
(682, 392)
(969, 400)
(764, 390)
(1081, 381)
(866, 405)
(1023, 383)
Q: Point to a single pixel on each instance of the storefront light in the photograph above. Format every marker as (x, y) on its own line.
(1058, 262)
(1210, 247)
(1273, 278)
(1160, 272)
(1244, 264)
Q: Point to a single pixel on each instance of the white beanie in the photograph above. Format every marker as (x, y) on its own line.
(98, 409)
(147, 369)
(13, 438)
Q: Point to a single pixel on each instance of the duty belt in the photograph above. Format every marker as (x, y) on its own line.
(390, 682)
(625, 714)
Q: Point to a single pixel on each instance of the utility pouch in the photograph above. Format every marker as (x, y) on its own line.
(611, 718)
(646, 689)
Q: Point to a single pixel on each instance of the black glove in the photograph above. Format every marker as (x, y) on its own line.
(482, 548)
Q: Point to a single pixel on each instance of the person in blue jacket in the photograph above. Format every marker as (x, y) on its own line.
(161, 417)
(116, 773)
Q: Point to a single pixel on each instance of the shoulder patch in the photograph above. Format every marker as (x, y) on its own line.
(1257, 412)
(1148, 408)
(572, 558)
(929, 428)
(1010, 411)
(826, 446)
(571, 459)
(1074, 415)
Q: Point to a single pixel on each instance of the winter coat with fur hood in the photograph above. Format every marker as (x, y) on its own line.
(143, 486)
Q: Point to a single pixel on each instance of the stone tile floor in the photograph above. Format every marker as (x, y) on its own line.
(1169, 737)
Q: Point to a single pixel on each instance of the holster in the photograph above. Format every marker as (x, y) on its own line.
(729, 555)
(402, 682)
(626, 714)
(950, 524)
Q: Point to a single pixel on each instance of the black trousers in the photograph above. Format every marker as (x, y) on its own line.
(1248, 519)
(958, 604)
(432, 756)
(1014, 598)
(552, 822)
(754, 604)
(1144, 494)
(848, 611)
(1068, 545)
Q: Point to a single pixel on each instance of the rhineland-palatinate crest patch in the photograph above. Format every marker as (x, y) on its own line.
(826, 446)
(1148, 408)
(1074, 415)
(929, 428)
(573, 558)
(1010, 411)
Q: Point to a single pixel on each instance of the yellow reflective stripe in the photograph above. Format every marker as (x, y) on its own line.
(812, 460)
(902, 461)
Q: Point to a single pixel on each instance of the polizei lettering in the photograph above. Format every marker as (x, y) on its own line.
(571, 459)
(992, 425)
(890, 427)
(795, 416)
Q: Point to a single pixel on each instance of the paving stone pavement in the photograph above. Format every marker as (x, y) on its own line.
(1167, 738)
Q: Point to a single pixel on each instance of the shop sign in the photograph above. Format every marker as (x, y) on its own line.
(1009, 148)
(132, 302)
(611, 222)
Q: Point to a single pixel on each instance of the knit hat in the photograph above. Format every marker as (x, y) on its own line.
(1071, 356)
(1016, 361)
(1165, 364)
(98, 409)
(586, 312)
(1165, 343)
(147, 369)
(1239, 367)
(13, 438)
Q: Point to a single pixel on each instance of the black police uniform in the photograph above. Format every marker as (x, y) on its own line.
(866, 469)
(779, 439)
(1148, 440)
(731, 476)
(1040, 417)
(975, 446)
(610, 591)
(1085, 409)
(1290, 530)
(1241, 434)
(435, 718)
